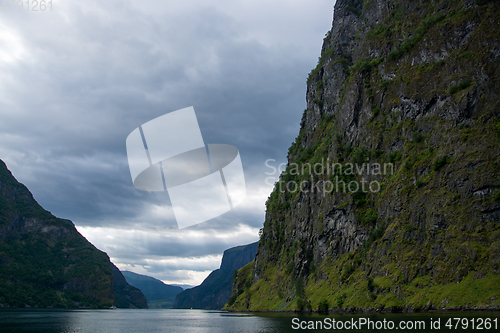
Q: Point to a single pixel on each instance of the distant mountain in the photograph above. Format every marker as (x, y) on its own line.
(215, 290)
(45, 262)
(126, 293)
(183, 286)
(158, 294)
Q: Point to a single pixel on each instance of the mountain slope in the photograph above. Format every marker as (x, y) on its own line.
(45, 262)
(403, 208)
(215, 290)
(158, 294)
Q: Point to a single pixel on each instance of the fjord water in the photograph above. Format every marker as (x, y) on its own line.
(198, 321)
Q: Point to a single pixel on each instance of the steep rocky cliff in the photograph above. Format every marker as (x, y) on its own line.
(45, 262)
(215, 290)
(391, 197)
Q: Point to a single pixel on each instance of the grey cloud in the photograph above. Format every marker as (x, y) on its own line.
(82, 79)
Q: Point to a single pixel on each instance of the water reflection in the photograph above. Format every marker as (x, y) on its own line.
(199, 321)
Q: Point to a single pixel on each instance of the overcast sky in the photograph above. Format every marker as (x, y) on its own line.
(75, 81)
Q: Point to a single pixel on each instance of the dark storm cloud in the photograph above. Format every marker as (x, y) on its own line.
(76, 81)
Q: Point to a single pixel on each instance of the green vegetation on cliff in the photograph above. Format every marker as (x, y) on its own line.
(413, 84)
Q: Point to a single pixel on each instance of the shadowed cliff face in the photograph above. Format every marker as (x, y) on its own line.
(215, 290)
(406, 93)
(45, 262)
(126, 296)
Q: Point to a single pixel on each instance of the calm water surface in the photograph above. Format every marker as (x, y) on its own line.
(199, 321)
